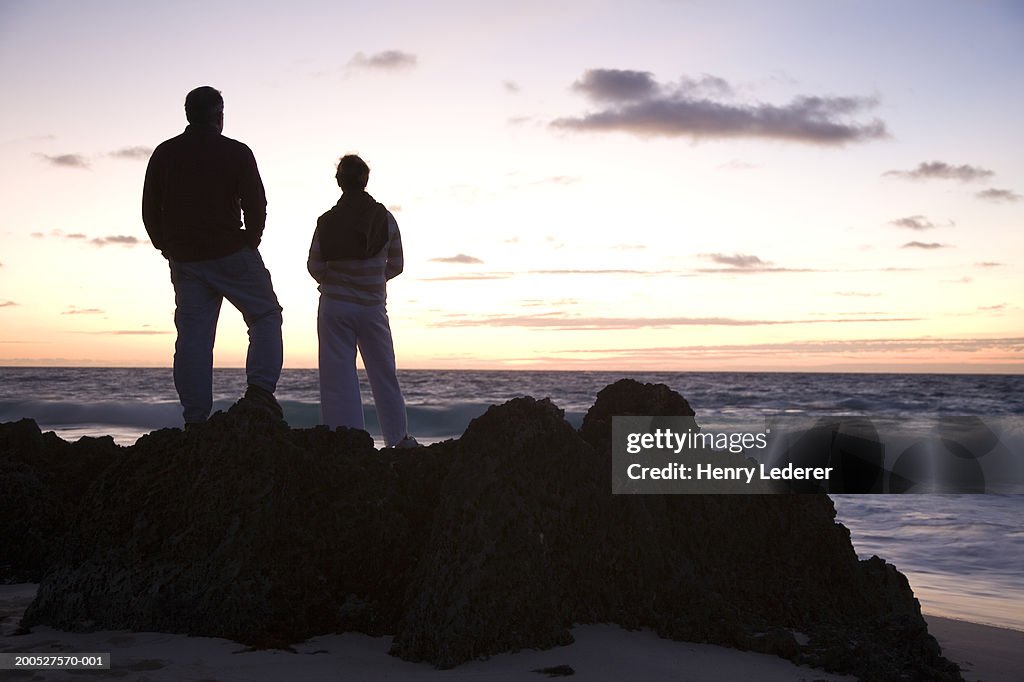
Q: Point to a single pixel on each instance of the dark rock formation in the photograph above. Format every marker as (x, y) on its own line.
(42, 479)
(500, 540)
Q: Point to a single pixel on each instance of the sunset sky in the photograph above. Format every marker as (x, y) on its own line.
(580, 185)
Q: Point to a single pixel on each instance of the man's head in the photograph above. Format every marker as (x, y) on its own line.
(205, 106)
(353, 173)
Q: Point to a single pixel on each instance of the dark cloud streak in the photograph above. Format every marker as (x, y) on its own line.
(940, 170)
(132, 153)
(66, 160)
(914, 222)
(637, 104)
(388, 60)
(924, 245)
(999, 195)
(458, 258)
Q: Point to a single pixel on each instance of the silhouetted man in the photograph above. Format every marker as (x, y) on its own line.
(195, 185)
(356, 249)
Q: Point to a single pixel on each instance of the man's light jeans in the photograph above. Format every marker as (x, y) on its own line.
(343, 327)
(199, 289)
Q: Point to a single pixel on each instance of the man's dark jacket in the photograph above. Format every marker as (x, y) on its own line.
(195, 185)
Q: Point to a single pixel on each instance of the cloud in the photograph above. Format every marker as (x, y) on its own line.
(558, 180)
(132, 153)
(124, 240)
(743, 264)
(129, 332)
(990, 264)
(468, 278)
(511, 86)
(458, 258)
(828, 346)
(1001, 306)
(561, 322)
(82, 311)
(75, 235)
(66, 160)
(737, 165)
(924, 245)
(30, 138)
(939, 170)
(999, 195)
(737, 260)
(7, 304)
(635, 103)
(914, 222)
(599, 272)
(616, 85)
(539, 302)
(38, 235)
(388, 60)
(858, 294)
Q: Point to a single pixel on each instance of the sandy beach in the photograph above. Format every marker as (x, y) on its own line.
(600, 652)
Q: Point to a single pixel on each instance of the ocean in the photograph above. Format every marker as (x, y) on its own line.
(963, 554)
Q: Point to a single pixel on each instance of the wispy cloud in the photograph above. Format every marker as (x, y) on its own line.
(74, 310)
(736, 260)
(66, 160)
(75, 235)
(999, 195)
(124, 240)
(511, 86)
(128, 332)
(388, 60)
(561, 322)
(30, 138)
(940, 170)
(132, 153)
(742, 263)
(457, 258)
(990, 264)
(924, 245)
(557, 180)
(480, 276)
(7, 304)
(634, 102)
(599, 271)
(826, 346)
(914, 222)
(737, 165)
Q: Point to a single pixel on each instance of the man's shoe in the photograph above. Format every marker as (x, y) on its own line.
(263, 400)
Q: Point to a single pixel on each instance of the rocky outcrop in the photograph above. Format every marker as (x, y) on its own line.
(500, 540)
(42, 479)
